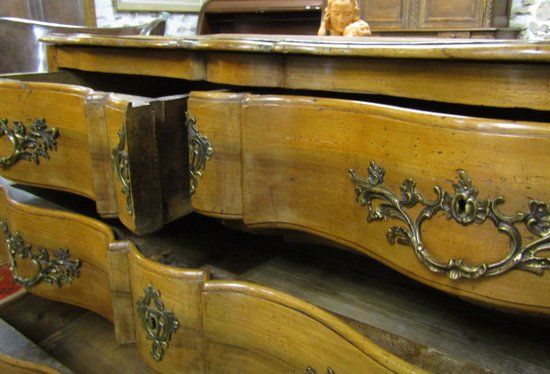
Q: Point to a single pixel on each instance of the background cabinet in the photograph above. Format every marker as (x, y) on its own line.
(428, 14)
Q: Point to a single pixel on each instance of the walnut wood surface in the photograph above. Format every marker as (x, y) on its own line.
(89, 123)
(381, 305)
(235, 327)
(296, 153)
(507, 73)
(86, 239)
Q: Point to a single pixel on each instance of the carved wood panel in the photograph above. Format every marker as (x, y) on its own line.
(430, 14)
(390, 14)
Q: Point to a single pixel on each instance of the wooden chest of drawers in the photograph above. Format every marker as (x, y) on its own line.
(428, 156)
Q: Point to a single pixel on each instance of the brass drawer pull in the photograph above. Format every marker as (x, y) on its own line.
(465, 208)
(55, 272)
(158, 323)
(28, 145)
(200, 151)
(121, 166)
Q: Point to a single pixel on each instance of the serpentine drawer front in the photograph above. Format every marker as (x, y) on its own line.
(180, 319)
(122, 151)
(56, 254)
(185, 322)
(456, 202)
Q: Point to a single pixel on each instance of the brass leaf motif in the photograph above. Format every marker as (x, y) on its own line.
(158, 323)
(30, 144)
(464, 207)
(200, 151)
(61, 269)
(121, 166)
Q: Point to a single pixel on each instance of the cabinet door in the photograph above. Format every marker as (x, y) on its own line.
(449, 14)
(386, 14)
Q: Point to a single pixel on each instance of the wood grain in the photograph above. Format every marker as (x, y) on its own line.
(86, 240)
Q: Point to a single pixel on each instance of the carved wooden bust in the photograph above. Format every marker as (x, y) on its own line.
(341, 18)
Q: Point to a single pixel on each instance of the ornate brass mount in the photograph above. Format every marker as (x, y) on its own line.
(200, 151)
(59, 270)
(121, 167)
(158, 322)
(310, 370)
(28, 145)
(464, 207)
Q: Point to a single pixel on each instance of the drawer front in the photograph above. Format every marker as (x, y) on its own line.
(251, 329)
(214, 123)
(481, 234)
(125, 152)
(185, 322)
(167, 315)
(56, 254)
(45, 136)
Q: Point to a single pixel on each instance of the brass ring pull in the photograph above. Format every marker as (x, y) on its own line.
(28, 145)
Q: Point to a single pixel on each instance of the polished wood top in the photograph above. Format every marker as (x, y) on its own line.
(387, 47)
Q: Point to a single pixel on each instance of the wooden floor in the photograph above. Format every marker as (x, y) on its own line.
(431, 329)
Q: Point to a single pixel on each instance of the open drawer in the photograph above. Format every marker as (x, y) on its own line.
(64, 131)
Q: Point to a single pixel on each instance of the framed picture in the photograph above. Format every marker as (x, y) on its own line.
(160, 5)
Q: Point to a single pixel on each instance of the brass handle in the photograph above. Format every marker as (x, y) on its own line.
(28, 145)
(55, 272)
(465, 208)
(200, 151)
(159, 324)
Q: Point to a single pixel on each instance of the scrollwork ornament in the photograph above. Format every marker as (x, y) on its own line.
(158, 323)
(200, 151)
(463, 207)
(310, 370)
(28, 145)
(61, 269)
(121, 166)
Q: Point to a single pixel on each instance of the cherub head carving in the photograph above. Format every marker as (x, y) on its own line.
(338, 15)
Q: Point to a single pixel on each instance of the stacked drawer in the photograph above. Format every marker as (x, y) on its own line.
(180, 320)
(129, 154)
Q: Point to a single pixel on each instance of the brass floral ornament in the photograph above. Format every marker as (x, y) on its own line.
(30, 144)
(310, 370)
(121, 166)
(158, 323)
(200, 151)
(61, 269)
(465, 208)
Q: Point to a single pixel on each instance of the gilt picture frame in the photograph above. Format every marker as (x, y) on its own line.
(191, 6)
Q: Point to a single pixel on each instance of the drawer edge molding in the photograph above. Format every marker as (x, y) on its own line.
(200, 151)
(121, 166)
(28, 145)
(463, 207)
(158, 322)
(61, 269)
